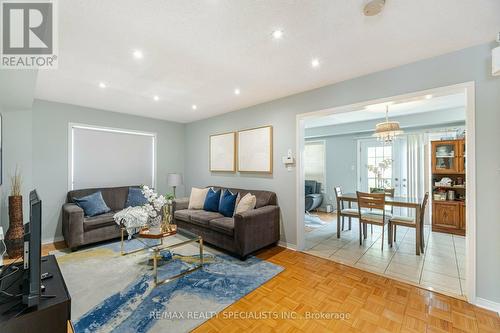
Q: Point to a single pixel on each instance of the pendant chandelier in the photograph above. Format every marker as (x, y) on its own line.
(387, 130)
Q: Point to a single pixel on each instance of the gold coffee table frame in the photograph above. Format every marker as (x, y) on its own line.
(143, 234)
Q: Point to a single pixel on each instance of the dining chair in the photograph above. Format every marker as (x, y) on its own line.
(342, 211)
(389, 192)
(410, 222)
(371, 209)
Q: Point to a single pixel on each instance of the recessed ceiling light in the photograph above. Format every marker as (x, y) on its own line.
(278, 34)
(138, 54)
(315, 63)
(237, 91)
(102, 85)
(194, 107)
(428, 96)
(156, 98)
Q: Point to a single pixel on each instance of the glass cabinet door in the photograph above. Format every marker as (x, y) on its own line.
(445, 157)
(462, 156)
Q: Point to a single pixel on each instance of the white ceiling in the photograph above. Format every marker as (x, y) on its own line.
(399, 108)
(198, 52)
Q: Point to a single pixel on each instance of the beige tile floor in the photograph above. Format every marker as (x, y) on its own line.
(441, 266)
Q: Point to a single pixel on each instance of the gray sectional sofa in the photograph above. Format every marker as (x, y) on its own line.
(241, 234)
(80, 230)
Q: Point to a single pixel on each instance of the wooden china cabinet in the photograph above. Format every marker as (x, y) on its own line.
(448, 201)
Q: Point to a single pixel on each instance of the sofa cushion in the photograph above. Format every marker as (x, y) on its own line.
(246, 203)
(135, 197)
(115, 197)
(212, 201)
(184, 214)
(100, 221)
(227, 203)
(93, 204)
(264, 198)
(202, 217)
(223, 224)
(197, 198)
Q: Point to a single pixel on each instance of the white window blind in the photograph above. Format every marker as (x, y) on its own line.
(101, 157)
(314, 161)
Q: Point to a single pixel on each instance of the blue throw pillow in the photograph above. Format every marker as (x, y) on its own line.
(227, 203)
(212, 201)
(135, 197)
(92, 204)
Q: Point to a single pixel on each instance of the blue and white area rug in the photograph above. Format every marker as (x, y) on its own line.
(114, 293)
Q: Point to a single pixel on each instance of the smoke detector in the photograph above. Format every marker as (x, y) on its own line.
(374, 7)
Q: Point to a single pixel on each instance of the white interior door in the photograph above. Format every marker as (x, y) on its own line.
(372, 155)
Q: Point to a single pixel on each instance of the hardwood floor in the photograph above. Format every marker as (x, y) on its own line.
(372, 303)
(311, 287)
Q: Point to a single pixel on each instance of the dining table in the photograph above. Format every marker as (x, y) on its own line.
(396, 201)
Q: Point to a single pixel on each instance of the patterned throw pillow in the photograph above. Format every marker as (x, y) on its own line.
(92, 204)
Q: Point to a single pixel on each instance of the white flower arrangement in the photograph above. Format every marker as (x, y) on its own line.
(155, 202)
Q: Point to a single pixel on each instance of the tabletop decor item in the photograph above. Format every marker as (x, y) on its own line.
(15, 233)
(378, 171)
(154, 206)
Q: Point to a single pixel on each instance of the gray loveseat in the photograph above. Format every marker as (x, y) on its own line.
(241, 234)
(80, 230)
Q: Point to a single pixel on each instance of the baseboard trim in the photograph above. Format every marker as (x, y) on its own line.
(488, 305)
(289, 246)
(53, 240)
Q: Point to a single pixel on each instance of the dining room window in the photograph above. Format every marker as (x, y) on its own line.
(379, 166)
(314, 161)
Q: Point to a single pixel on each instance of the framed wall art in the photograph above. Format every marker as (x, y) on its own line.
(222, 152)
(255, 150)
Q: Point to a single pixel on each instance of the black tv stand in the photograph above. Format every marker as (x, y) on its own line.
(52, 313)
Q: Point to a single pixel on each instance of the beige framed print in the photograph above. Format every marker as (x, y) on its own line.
(222, 151)
(255, 150)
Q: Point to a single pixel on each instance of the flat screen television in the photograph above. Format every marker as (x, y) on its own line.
(33, 252)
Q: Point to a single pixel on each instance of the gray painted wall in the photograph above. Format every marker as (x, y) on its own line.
(17, 151)
(38, 140)
(472, 64)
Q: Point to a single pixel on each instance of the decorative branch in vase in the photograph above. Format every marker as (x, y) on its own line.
(15, 233)
(379, 170)
(154, 207)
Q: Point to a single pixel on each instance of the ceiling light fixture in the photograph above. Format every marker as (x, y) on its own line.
(156, 98)
(194, 107)
(278, 34)
(138, 54)
(237, 91)
(102, 85)
(315, 63)
(373, 7)
(428, 96)
(386, 131)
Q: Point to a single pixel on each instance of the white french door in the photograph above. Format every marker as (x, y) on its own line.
(383, 165)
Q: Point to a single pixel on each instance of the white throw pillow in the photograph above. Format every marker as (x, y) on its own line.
(246, 203)
(197, 198)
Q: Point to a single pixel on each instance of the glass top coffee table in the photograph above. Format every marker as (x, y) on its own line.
(145, 235)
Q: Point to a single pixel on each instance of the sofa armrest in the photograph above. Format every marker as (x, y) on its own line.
(179, 204)
(72, 225)
(257, 228)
